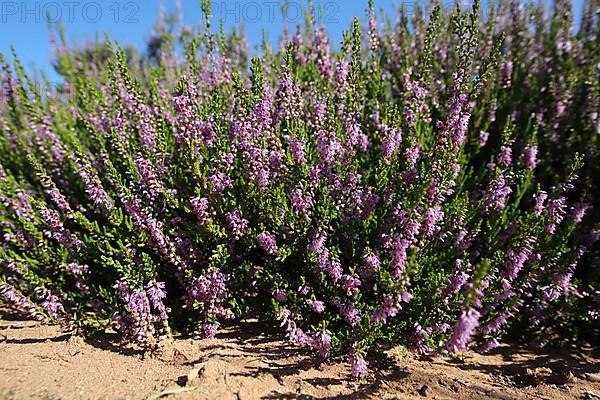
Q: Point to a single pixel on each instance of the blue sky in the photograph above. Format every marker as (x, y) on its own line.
(23, 24)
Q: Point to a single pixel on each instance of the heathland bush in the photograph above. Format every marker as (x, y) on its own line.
(431, 184)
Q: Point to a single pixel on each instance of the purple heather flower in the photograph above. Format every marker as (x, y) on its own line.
(556, 213)
(331, 265)
(505, 156)
(148, 130)
(208, 330)
(267, 241)
(149, 181)
(483, 138)
(322, 342)
(52, 218)
(58, 199)
(434, 192)
(297, 150)
(415, 99)
(350, 313)
(207, 131)
(43, 132)
(53, 306)
(389, 308)
(412, 154)
(297, 335)
(489, 345)
(304, 290)
(144, 220)
(515, 260)
(466, 324)
(409, 175)
(433, 216)
(57, 229)
(349, 284)
(578, 211)
(456, 280)
(560, 108)
(276, 161)
(288, 99)
(183, 105)
(368, 201)
(495, 197)
(391, 141)
(316, 305)
(8, 292)
(455, 168)
(298, 47)
(201, 208)
(496, 323)
(318, 113)
(342, 68)
(373, 31)
(406, 297)
(372, 263)
(78, 272)
(459, 122)
(328, 146)
(236, 223)
(399, 256)
(540, 199)
(507, 69)
(323, 261)
(358, 363)
(464, 240)
(209, 290)
(138, 304)
(301, 202)
(227, 160)
(156, 292)
(94, 188)
(417, 341)
(530, 156)
(293, 332)
(279, 295)
(550, 292)
(317, 243)
(220, 182)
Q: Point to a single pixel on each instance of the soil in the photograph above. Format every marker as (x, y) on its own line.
(38, 361)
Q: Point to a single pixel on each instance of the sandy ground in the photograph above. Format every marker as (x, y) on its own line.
(39, 362)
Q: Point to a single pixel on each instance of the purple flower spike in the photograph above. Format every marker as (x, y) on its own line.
(267, 241)
(467, 323)
(358, 363)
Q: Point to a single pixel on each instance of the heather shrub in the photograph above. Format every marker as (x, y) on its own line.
(429, 184)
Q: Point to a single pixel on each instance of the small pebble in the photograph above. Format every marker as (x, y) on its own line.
(425, 391)
(592, 377)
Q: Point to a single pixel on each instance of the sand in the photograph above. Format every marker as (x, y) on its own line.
(38, 361)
